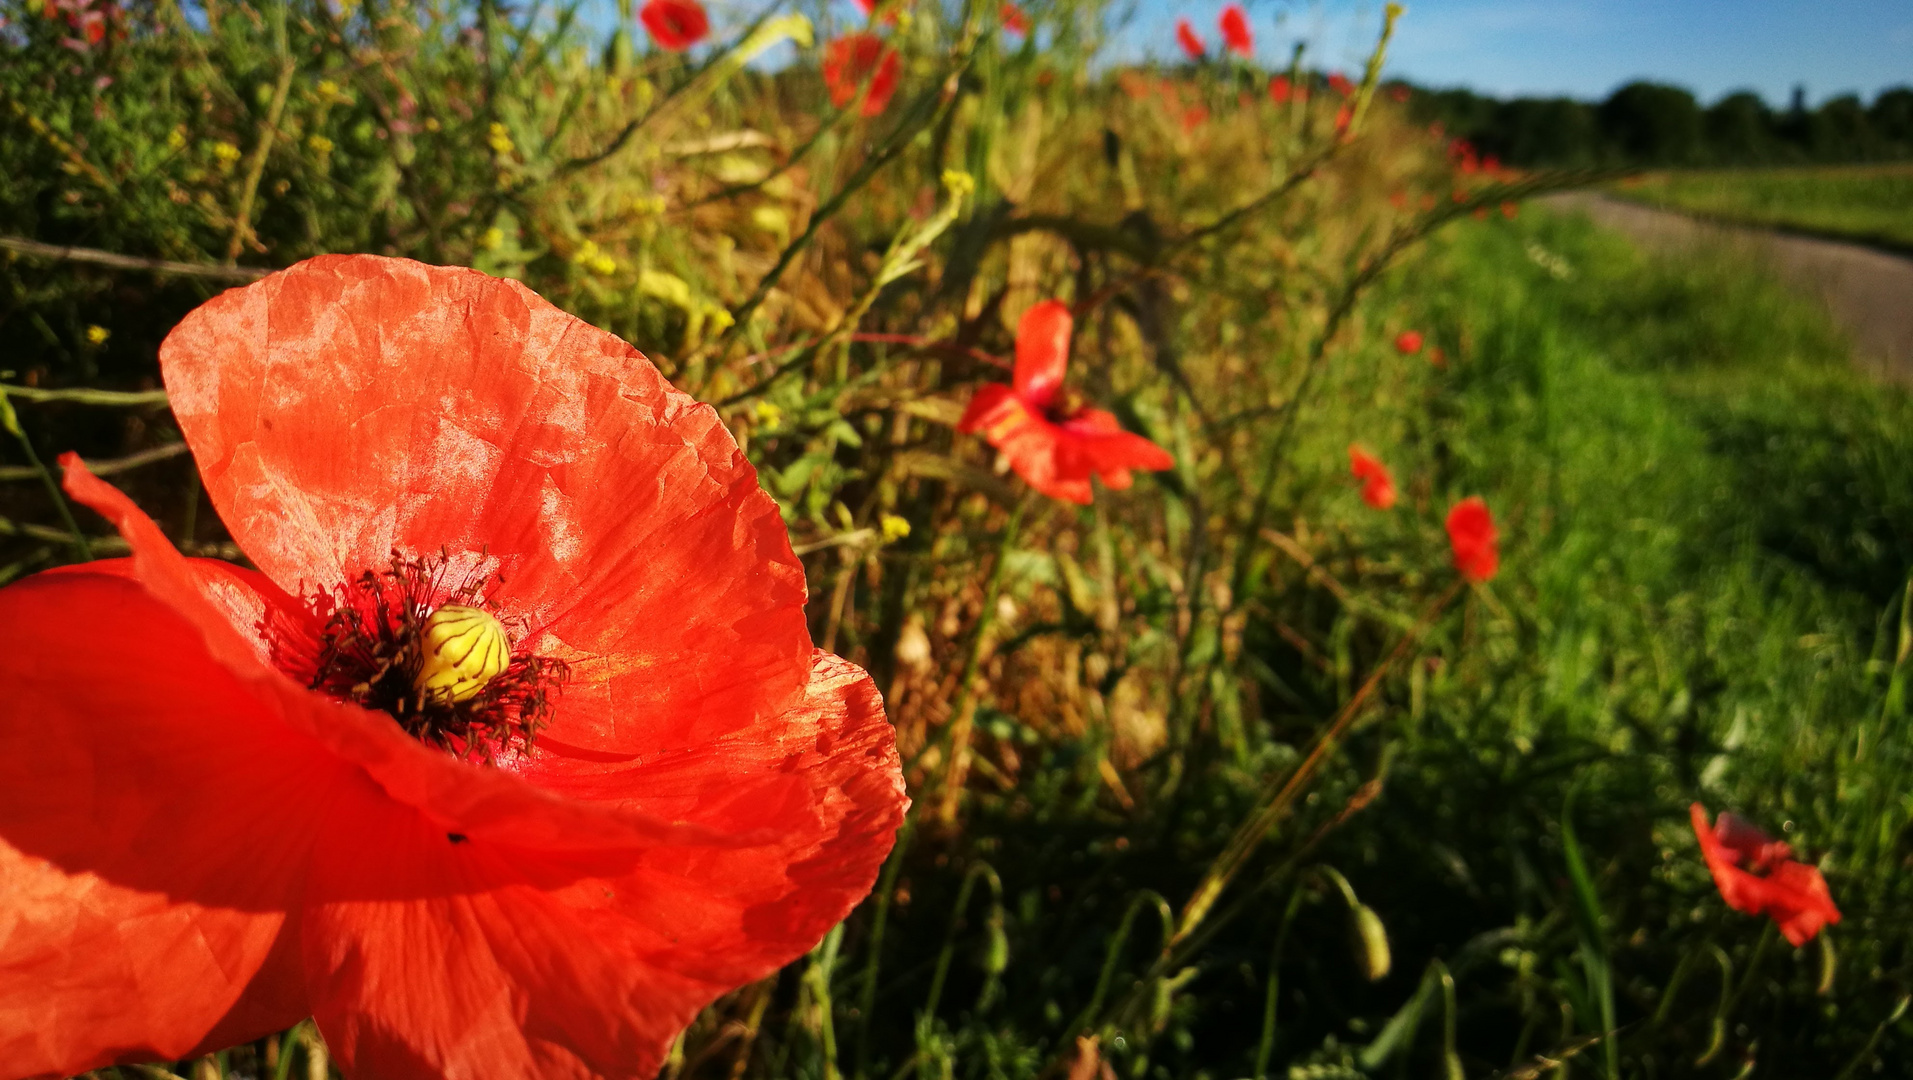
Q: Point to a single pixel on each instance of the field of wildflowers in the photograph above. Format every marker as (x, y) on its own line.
(1321, 619)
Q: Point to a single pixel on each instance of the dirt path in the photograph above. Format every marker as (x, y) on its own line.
(1869, 292)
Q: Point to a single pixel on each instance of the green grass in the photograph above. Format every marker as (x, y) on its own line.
(1869, 203)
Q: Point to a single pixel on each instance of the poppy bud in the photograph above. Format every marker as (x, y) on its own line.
(995, 958)
(462, 648)
(1371, 942)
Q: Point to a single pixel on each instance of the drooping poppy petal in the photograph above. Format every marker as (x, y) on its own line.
(675, 25)
(1378, 487)
(1471, 536)
(1236, 36)
(1408, 342)
(1191, 42)
(1097, 445)
(351, 406)
(1794, 894)
(1042, 352)
(856, 59)
(599, 976)
(135, 912)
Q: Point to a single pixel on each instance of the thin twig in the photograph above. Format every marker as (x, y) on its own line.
(107, 467)
(239, 274)
(86, 396)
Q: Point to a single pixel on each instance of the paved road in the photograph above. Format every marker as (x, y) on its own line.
(1869, 292)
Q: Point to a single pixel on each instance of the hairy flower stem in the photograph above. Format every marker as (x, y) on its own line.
(963, 710)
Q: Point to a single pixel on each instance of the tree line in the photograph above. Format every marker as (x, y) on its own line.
(1648, 123)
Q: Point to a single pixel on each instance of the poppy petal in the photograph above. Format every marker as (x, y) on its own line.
(1042, 352)
(596, 978)
(142, 899)
(356, 405)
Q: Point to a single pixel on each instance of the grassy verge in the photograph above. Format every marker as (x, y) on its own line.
(1869, 203)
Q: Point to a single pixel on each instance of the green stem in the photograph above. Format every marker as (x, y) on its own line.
(12, 424)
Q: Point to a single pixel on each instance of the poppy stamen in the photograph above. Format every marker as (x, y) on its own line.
(438, 660)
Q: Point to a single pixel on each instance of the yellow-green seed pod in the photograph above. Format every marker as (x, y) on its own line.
(1371, 942)
(462, 649)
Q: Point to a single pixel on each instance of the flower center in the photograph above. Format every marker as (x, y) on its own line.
(434, 657)
(1064, 406)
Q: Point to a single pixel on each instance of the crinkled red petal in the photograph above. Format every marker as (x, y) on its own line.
(595, 978)
(153, 834)
(353, 405)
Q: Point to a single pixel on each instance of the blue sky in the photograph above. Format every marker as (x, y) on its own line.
(1586, 48)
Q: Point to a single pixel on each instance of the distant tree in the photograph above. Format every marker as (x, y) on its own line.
(1544, 131)
(1740, 130)
(1652, 123)
(1839, 131)
(1892, 119)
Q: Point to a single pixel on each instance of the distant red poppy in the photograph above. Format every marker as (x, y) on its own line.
(675, 25)
(1509, 210)
(1014, 20)
(1191, 43)
(1793, 893)
(1339, 83)
(485, 531)
(1437, 357)
(1408, 342)
(1051, 438)
(1343, 117)
(1280, 89)
(854, 59)
(1471, 535)
(1235, 31)
(1490, 164)
(1399, 94)
(1378, 487)
(1398, 199)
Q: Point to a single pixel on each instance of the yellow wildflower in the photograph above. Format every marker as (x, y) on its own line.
(97, 335)
(895, 528)
(500, 140)
(319, 144)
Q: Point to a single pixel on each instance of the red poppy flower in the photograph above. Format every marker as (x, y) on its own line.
(1399, 94)
(1190, 41)
(1408, 342)
(1343, 117)
(1014, 21)
(1235, 31)
(1510, 209)
(1378, 487)
(1339, 83)
(1437, 357)
(1280, 89)
(1471, 535)
(1793, 893)
(223, 825)
(675, 25)
(854, 59)
(1049, 436)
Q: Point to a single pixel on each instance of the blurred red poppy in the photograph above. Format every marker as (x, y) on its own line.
(1191, 43)
(1793, 893)
(1471, 536)
(675, 25)
(854, 59)
(1378, 487)
(1048, 434)
(1235, 31)
(1408, 342)
(1280, 89)
(1014, 20)
(513, 753)
(1343, 117)
(1339, 83)
(1509, 210)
